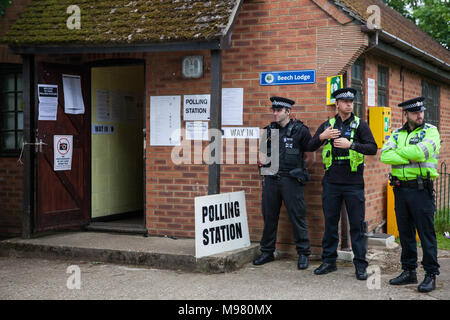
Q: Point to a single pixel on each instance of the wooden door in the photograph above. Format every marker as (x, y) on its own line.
(63, 197)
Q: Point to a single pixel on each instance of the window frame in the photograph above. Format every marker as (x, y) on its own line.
(358, 84)
(16, 69)
(383, 88)
(431, 93)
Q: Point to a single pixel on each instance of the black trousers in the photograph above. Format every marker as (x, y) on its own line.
(353, 196)
(278, 189)
(414, 209)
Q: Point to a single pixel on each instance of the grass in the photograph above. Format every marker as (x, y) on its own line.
(442, 224)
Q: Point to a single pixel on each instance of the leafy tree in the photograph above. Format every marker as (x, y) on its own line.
(3, 5)
(432, 16)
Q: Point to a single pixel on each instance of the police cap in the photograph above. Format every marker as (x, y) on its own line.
(344, 93)
(279, 102)
(413, 105)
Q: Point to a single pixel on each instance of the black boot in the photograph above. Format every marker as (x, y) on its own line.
(361, 273)
(406, 277)
(302, 262)
(428, 284)
(325, 268)
(264, 258)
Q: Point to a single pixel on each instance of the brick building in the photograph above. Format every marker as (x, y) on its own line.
(238, 41)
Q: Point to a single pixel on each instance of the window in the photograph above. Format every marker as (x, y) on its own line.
(11, 109)
(431, 94)
(358, 84)
(383, 86)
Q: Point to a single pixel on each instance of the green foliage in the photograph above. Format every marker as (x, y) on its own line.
(432, 16)
(3, 5)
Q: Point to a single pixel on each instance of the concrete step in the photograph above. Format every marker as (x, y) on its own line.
(155, 252)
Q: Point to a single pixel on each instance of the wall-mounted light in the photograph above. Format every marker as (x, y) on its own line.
(192, 67)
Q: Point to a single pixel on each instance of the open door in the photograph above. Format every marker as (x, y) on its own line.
(63, 197)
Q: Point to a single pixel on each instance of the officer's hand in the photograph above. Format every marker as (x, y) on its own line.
(342, 143)
(329, 133)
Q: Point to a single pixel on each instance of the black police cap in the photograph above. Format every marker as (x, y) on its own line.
(344, 93)
(413, 105)
(280, 102)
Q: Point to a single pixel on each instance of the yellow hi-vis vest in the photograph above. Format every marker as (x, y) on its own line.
(414, 154)
(355, 158)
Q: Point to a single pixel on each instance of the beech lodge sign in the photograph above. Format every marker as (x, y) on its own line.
(274, 78)
(220, 223)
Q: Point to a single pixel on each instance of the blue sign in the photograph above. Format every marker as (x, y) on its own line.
(276, 78)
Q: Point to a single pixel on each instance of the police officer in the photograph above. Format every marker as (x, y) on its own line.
(346, 139)
(413, 151)
(285, 183)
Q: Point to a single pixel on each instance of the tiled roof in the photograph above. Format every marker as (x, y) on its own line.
(399, 26)
(122, 22)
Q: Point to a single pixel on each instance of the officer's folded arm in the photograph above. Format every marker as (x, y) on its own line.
(412, 153)
(392, 157)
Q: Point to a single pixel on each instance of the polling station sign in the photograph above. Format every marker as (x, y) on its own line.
(220, 223)
(277, 78)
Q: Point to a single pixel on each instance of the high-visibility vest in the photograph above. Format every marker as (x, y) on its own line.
(414, 154)
(355, 157)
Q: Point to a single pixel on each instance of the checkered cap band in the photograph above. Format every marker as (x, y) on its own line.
(281, 104)
(345, 95)
(414, 105)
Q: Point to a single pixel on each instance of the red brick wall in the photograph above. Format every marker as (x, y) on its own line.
(11, 195)
(268, 36)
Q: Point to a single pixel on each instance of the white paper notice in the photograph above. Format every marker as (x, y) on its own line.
(102, 101)
(63, 148)
(197, 130)
(48, 101)
(196, 107)
(165, 120)
(73, 99)
(232, 106)
(371, 92)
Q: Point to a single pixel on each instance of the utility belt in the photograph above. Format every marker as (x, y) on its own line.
(300, 174)
(419, 183)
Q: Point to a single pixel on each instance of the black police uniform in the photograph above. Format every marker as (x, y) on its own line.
(283, 187)
(340, 183)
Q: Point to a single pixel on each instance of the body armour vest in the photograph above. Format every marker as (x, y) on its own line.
(290, 153)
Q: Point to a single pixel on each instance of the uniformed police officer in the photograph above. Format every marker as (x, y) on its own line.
(346, 139)
(413, 152)
(285, 183)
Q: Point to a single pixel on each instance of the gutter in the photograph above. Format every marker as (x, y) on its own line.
(396, 41)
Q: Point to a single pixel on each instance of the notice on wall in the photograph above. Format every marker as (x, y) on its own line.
(48, 101)
(165, 120)
(371, 92)
(197, 130)
(102, 129)
(63, 149)
(232, 106)
(196, 107)
(220, 223)
(73, 98)
(102, 102)
(241, 133)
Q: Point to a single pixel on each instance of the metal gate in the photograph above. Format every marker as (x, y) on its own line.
(442, 189)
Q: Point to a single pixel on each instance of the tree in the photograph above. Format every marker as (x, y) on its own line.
(432, 16)
(3, 5)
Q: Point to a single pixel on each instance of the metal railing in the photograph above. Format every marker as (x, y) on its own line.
(442, 188)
